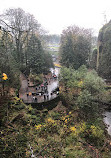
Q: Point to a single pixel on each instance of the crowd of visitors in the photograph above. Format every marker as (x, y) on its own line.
(41, 92)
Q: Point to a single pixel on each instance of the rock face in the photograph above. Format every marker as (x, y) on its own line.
(104, 51)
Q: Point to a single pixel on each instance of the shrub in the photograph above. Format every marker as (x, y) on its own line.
(84, 99)
(35, 119)
(93, 83)
(36, 79)
(80, 87)
(71, 139)
(55, 115)
(96, 135)
(76, 152)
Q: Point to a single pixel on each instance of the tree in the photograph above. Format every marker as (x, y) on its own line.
(104, 51)
(20, 24)
(8, 64)
(20, 45)
(35, 54)
(93, 62)
(79, 88)
(75, 46)
(38, 60)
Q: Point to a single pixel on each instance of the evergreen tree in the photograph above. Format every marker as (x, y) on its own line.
(38, 60)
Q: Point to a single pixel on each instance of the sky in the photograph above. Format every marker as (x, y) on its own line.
(57, 15)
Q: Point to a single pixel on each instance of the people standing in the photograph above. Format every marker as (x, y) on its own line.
(36, 99)
(44, 97)
(33, 98)
(47, 96)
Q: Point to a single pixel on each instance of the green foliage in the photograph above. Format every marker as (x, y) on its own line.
(36, 79)
(44, 112)
(20, 106)
(8, 64)
(55, 115)
(35, 55)
(96, 135)
(84, 99)
(21, 48)
(104, 40)
(50, 133)
(71, 139)
(76, 152)
(38, 60)
(93, 62)
(13, 133)
(70, 77)
(48, 62)
(75, 47)
(93, 83)
(80, 87)
(14, 146)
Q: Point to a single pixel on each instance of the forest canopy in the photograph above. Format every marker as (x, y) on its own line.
(21, 43)
(75, 46)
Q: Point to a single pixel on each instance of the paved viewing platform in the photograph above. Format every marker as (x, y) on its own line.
(30, 93)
